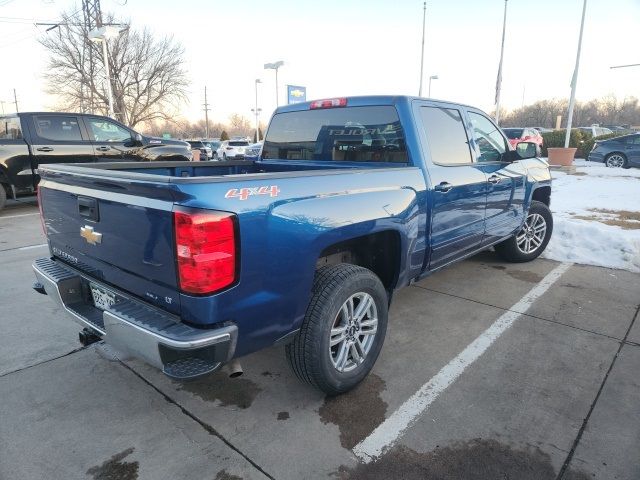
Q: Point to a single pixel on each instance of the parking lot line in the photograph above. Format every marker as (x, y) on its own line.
(21, 215)
(397, 423)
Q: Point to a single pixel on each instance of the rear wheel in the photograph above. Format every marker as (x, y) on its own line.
(616, 160)
(532, 238)
(343, 330)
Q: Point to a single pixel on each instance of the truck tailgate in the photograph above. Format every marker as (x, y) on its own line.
(119, 233)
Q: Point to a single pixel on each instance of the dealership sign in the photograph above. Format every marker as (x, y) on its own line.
(296, 94)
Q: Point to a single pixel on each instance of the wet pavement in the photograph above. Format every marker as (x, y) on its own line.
(554, 396)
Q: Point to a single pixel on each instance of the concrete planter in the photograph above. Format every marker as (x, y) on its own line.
(561, 156)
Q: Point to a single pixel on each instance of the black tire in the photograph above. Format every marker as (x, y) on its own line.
(3, 196)
(509, 249)
(310, 354)
(625, 162)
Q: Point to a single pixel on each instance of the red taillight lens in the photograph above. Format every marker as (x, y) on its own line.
(328, 103)
(39, 195)
(205, 249)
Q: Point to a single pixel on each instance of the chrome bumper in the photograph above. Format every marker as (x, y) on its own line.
(136, 328)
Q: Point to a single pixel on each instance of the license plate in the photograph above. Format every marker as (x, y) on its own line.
(101, 298)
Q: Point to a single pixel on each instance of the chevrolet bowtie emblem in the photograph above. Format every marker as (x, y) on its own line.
(92, 237)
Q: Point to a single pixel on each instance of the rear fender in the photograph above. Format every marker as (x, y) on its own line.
(301, 230)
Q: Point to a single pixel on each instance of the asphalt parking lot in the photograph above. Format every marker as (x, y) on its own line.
(555, 395)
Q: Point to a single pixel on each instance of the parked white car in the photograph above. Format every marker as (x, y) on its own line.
(232, 149)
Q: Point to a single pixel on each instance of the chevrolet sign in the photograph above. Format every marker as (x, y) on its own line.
(90, 235)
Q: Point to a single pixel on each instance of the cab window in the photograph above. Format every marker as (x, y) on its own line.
(58, 128)
(446, 136)
(102, 130)
(489, 140)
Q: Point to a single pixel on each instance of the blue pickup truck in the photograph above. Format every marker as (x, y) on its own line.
(190, 266)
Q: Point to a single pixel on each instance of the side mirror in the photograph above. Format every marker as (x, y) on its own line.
(137, 138)
(526, 150)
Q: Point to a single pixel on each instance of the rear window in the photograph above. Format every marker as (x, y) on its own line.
(196, 144)
(11, 129)
(352, 134)
(239, 144)
(513, 133)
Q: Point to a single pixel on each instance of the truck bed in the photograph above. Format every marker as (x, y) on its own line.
(181, 172)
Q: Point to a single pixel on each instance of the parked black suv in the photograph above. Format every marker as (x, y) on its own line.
(30, 139)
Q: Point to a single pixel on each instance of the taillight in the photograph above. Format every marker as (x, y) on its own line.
(328, 103)
(205, 249)
(39, 195)
(229, 148)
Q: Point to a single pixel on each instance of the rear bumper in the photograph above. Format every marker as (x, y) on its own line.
(136, 328)
(595, 157)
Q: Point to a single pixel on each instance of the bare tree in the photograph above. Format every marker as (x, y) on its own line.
(148, 79)
(239, 126)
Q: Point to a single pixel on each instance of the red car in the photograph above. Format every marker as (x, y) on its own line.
(517, 135)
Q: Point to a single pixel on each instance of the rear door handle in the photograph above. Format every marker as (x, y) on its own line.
(494, 179)
(44, 149)
(443, 187)
(103, 149)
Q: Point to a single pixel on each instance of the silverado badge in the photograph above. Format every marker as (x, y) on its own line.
(92, 237)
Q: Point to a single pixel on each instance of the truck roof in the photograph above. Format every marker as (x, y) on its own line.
(366, 100)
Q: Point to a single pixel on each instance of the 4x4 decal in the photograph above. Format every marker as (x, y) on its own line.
(244, 193)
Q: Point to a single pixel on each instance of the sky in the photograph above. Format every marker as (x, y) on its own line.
(354, 47)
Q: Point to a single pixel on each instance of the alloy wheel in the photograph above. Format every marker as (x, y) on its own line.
(353, 332)
(532, 234)
(615, 161)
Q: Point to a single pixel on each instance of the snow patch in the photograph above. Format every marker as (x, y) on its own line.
(589, 241)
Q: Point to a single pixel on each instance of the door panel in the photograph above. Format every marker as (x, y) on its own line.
(59, 139)
(458, 186)
(505, 180)
(457, 219)
(111, 141)
(505, 199)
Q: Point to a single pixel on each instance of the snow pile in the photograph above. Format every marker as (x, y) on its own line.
(581, 203)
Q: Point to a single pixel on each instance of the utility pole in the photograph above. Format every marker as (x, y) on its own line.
(499, 79)
(424, 19)
(257, 112)
(92, 16)
(574, 80)
(15, 100)
(206, 114)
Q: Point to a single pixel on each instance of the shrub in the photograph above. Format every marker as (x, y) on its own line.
(224, 136)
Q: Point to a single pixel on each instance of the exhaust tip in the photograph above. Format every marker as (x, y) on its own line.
(235, 369)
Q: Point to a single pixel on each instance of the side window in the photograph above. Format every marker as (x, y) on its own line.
(10, 128)
(488, 138)
(102, 130)
(58, 128)
(446, 135)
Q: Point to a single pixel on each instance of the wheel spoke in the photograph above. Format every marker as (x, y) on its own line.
(343, 355)
(350, 308)
(337, 335)
(363, 307)
(356, 353)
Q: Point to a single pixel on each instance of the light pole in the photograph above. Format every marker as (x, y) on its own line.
(499, 79)
(432, 77)
(102, 34)
(275, 66)
(257, 111)
(424, 18)
(574, 80)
